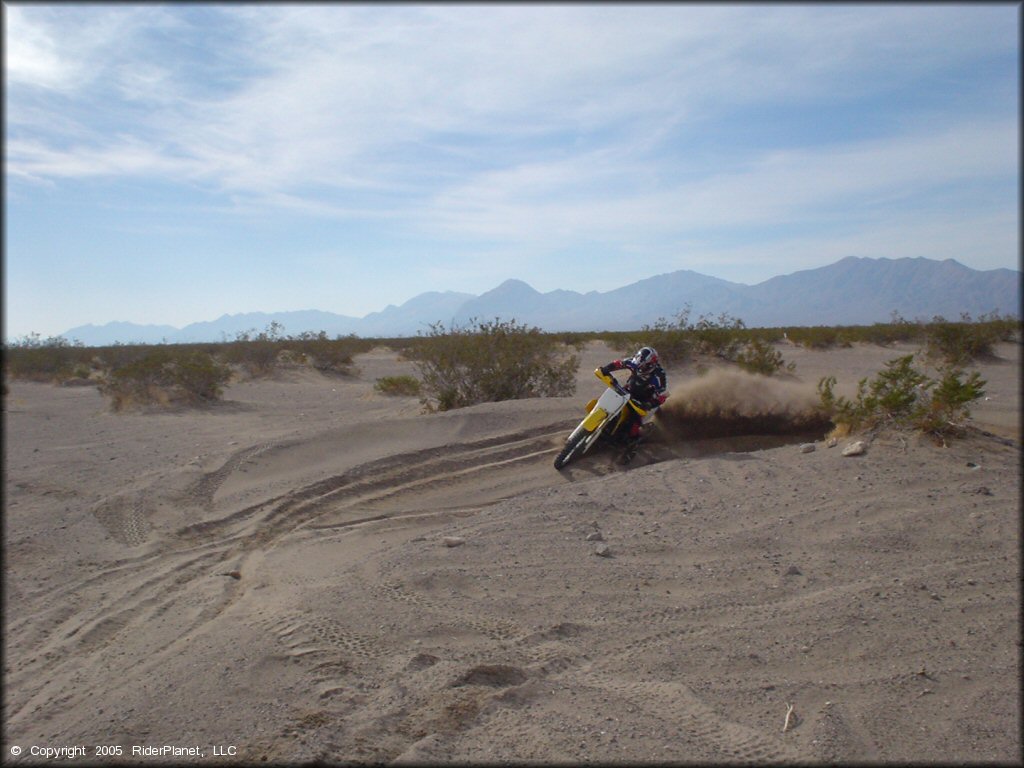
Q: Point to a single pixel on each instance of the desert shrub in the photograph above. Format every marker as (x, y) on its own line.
(948, 407)
(903, 397)
(678, 339)
(140, 381)
(577, 340)
(672, 338)
(53, 359)
(164, 376)
(255, 353)
(814, 337)
(403, 386)
(324, 354)
(118, 355)
(718, 337)
(759, 356)
(624, 339)
(199, 377)
(896, 330)
(767, 335)
(959, 343)
(1003, 327)
(490, 361)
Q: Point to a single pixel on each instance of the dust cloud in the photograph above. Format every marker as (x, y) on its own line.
(729, 403)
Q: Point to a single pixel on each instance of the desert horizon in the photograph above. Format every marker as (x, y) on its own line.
(312, 571)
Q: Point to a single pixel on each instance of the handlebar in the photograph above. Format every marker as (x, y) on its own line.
(610, 380)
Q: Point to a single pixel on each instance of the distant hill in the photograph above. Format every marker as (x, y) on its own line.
(853, 291)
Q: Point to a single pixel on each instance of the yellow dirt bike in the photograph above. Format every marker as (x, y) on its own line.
(606, 421)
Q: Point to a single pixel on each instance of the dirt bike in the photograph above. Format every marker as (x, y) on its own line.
(606, 420)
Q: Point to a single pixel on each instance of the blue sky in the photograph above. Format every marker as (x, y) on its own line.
(168, 164)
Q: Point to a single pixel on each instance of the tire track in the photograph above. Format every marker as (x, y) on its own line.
(373, 481)
(125, 595)
(678, 704)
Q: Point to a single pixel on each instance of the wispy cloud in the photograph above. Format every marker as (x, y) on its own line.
(531, 129)
(597, 195)
(345, 95)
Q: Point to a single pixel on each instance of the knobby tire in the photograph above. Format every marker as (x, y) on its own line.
(569, 451)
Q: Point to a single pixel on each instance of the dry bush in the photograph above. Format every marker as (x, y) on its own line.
(324, 354)
(488, 362)
(255, 353)
(52, 360)
(399, 386)
(166, 376)
(960, 343)
(678, 339)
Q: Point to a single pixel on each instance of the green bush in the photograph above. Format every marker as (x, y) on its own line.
(718, 337)
(118, 355)
(1005, 327)
(759, 356)
(53, 359)
(678, 339)
(814, 337)
(262, 354)
(490, 361)
(255, 353)
(672, 338)
(165, 376)
(959, 343)
(401, 386)
(949, 402)
(903, 397)
(324, 354)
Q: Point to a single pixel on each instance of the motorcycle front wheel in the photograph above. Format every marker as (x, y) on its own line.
(572, 446)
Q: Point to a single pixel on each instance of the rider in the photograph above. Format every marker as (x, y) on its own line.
(646, 383)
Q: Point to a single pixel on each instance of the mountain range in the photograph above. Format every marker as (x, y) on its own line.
(852, 291)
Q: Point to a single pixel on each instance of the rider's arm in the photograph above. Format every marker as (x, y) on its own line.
(615, 365)
(658, 394)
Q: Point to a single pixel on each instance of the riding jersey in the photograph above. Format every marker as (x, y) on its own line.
(648, 390)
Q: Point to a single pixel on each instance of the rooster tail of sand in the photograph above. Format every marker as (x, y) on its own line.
(729, 403)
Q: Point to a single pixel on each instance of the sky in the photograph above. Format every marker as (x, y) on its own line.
(172, 163)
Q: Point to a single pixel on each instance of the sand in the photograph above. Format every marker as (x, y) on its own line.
(311, 571)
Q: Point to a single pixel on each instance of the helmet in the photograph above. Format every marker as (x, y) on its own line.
(645, 360)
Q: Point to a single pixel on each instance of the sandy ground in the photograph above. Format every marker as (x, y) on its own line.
(312, 571)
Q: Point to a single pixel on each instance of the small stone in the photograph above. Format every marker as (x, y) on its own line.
(807, 448)
(832, 442)
(854, 449)
(602, 550)
(453, 541)
(595, 536)
(793, 571)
